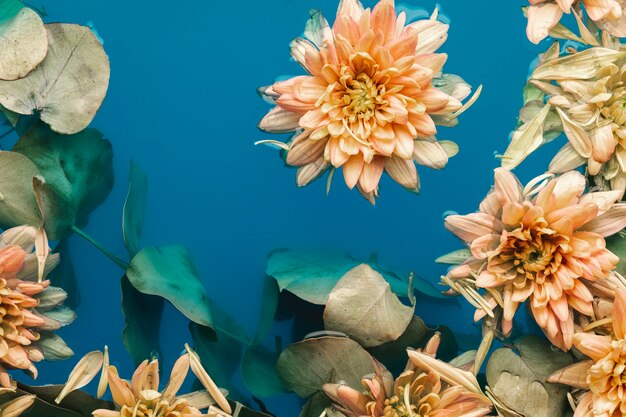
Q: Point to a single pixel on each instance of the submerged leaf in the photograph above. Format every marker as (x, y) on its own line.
(393, 354)
(169, 272)
(23, 40)
(79, 167)
(518, 379)
(312, 275)
(134, 209)
(258, 367)
(362, 306)
(307, 365)
(64, 276)
(140, 336)
(69, 85)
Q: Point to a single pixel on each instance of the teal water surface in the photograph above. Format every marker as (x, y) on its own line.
(182, 103)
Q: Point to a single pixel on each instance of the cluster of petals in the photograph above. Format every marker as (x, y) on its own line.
(427, 388)
(543, 244)
(591, 108)
(371, 100)
(142, 396)
(602, 377)
(29, 310)
(543, 15)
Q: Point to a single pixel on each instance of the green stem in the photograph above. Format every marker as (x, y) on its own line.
(101, 248)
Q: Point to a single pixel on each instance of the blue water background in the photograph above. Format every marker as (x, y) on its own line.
(182, 103)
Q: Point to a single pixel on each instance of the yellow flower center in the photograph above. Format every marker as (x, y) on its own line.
(531, 251)
(615, 109)
(607, 379)
(151, 404)
(361, 98)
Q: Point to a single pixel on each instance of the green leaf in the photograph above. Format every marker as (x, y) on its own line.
(363, 307)
(617, 245)
(393, 354)
(316, 405)
(23, 40)
(64, 276)
(79, 167)
(219, 353)
(307, 365)
(312, 275)
(69, 85)
(142, 313)
(245, 411)
(17, 199)
(258, 367)
(269, 304)
(134, 209)
(518, 377)
(169, 272)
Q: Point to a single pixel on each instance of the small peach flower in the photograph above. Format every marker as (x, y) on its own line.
(371, 100)
(427, 388)
(543, 15)
(546, 247)
(29, 310)
(604, 375)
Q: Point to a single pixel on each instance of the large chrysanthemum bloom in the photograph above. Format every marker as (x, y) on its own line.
(547, 247)
(604, 375)
(372, 97)
(543, 15)
(141, 396)
(586, 96)
(29, 310)
(427, 388)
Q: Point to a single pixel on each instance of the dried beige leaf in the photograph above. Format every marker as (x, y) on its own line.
(363, 306)
(69, 85)
(23, 43)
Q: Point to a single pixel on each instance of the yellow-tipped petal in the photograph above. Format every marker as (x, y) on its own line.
(448, 373)
(104, 377)
(207, 382)
(179, 373)
(83, 373)
(17, 406)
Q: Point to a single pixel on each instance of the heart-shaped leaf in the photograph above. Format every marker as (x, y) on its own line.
(258, 366)
(362, 306)
(518, 377)
(312, 275)
(307, 365)
(23, 40)
(134, 209)
(169, 272)
(69, 85)
(143, 322)
(79, 167)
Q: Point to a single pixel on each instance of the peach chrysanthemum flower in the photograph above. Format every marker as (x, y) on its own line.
(372, 98)
(142, 396)
(586, 96)
(543, 244)
(427, 388)
(29, 310)
(604, 375)
(543, 15)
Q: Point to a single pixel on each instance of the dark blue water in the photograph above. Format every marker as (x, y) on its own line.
(182, 103)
